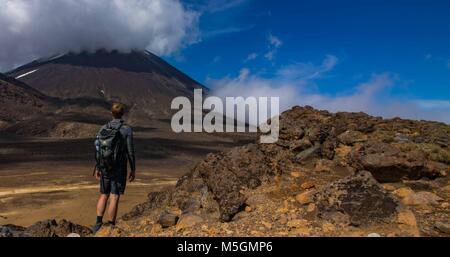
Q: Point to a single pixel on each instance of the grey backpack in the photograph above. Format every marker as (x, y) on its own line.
(109, 148)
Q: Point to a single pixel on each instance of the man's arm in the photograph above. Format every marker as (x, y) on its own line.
(97, 172)
(130, 154)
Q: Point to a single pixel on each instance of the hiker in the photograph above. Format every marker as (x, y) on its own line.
(114, 146)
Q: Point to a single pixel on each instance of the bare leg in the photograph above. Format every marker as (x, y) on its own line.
(113, 207)
(101, 205)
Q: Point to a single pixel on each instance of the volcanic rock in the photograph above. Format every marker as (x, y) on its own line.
(348, 199)
(168, 219)
(323, 166)
(54, 228)
(359, 197)
(227, 173)
(305, 197)
(422, 199)
(407, 217)
(443, 227)
(388, 164)
(188, 220)
(12, 231)
(351, 137)
(403, 192)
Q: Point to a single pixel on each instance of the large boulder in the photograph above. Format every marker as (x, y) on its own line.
(389, 164)
(188, 220)
(356, 200)
(154, 200)
(226, 174)
(168, 219)
(54, 228)
(12, 231)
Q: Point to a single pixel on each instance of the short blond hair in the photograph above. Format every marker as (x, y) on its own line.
(118, 110)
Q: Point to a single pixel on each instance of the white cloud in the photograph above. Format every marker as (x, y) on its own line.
(438, 59)
(225, 31)
(433, 104)
(365, 97)
(274, 41)
(372, 97)
(222, 5)
(274, 44)
(246, 85)
(41, 28)
(308, 71)
(330, 62)
(270, 55)
(251, 57)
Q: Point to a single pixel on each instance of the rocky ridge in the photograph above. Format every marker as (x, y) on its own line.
(343, 174)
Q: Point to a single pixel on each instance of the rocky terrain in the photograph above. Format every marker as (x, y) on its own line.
(343, 174)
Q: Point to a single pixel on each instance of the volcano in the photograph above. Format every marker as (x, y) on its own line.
(141, 80)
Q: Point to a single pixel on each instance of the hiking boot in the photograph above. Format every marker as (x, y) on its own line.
(111, 223)
(97, 227)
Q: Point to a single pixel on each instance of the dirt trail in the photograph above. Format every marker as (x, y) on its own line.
(73, 187)
(29, 194)
(42, 178)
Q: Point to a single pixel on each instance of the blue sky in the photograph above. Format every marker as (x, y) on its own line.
(384, 57)
(329, 48)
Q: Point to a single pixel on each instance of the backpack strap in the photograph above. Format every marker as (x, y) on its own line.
(118, 128)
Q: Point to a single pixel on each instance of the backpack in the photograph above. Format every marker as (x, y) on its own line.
(109, 148)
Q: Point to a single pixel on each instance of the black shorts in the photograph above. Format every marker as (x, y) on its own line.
(113, 184)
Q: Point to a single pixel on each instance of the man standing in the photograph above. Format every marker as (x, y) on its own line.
(114, 146)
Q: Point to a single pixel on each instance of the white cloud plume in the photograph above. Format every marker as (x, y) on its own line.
(274, 44)
(40, 28)
(433, 104)
(371, 97)
(251, 57)
(274, 41)
(214, 6)
(308, 71)
(247, 85)
(225, 31)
